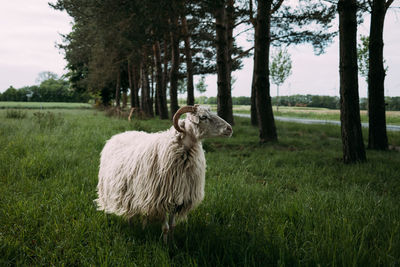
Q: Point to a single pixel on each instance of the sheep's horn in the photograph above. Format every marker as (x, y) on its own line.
(179, 113)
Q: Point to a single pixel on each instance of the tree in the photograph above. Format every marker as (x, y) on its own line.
(189, 63)
(224, 96)
(352, 139)
(308, 22)
(175, 56)
(201, 85)
(266, 122)
(280, 69)
(376, 77)
(46, 75)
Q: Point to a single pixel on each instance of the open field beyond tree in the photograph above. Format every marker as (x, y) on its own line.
(291, 203)
(392, 117)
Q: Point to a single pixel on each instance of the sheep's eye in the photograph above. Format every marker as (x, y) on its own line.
(203, 117)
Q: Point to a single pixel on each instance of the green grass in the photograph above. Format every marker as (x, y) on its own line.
(291, 203)
(43, 105)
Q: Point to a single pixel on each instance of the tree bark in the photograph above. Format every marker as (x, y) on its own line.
(132, 96)
(376, 79)
(146, 94)
(253, 107)
(124, 97)
(224, 97)
(174, 72)
(136, 86)
(352, 139)
(118, 90)
(189, 63)
(266, 122)
(160, 94)
(230, 24)
(165, 70)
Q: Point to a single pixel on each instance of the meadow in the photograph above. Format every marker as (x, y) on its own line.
(291, 203)
(392, 117)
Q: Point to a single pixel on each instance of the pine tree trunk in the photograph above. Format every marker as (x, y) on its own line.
(174, 73)
(224, 97)
(161, 98)
(253, 107)
(230, 24)
(352, 139)
(124, 97)
(189, 64)
(266, 122)
(165, 69)
(130, 81)
(376, 80)
(153, 93)
(118, 90)
(136, 86)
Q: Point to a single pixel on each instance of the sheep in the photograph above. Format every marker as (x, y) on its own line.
(158, 176)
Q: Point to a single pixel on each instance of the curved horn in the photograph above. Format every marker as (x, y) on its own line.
(179, 113)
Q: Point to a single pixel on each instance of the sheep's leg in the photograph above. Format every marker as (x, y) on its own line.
(172, 225)
(165, 229)
(144, 223)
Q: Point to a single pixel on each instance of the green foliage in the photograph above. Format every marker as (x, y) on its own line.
(46, 75)
(363, 57)
(50, 90)
(280, 67)
(201, 85)
(292, 203)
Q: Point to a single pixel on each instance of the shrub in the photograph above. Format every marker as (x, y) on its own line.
(48, 119)
(15, 114)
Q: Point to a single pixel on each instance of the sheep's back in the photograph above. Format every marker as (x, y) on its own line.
(149, 174)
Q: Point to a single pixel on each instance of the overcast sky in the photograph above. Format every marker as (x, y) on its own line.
(30, 29)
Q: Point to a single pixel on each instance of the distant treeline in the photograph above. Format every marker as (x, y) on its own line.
(51, 90)
(331, 102)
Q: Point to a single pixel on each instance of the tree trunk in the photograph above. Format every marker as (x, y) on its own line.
(136, 86)
(161, 98)
(376, 80)
(352, 140)
(146, 94)
(153, 93)
(189, 64)
(253, 107)
(174, 73)
(224, 97)
(118, 90)
(165, 70)
(132, 96)
(124, 97)
(266, 122)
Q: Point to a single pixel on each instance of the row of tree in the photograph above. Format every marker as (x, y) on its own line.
(50, 89)
(119, 45)
(319, 101)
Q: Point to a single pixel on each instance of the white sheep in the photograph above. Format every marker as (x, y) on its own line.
(158, 174)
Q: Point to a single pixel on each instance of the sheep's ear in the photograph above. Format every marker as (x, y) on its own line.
(193, 118)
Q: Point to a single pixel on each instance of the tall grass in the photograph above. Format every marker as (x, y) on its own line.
(291, 203)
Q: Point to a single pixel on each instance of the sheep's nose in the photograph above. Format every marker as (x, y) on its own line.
(228, 130)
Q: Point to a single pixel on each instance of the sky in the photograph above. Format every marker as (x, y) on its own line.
(30, 30)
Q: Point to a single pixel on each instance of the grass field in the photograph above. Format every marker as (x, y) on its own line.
(392, 117)
(43, 105)
(291, 203)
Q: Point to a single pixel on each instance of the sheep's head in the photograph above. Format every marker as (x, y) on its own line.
(202, 123)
